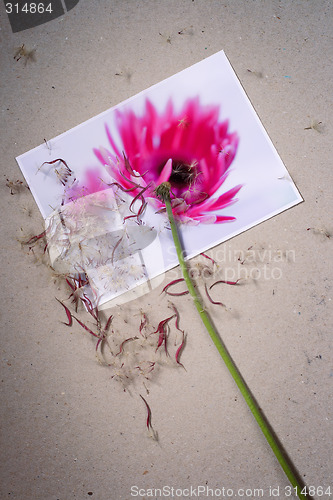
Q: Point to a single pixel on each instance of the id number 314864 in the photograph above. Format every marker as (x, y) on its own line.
(318, 491)
(29, 8)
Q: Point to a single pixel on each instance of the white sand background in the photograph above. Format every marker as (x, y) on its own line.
(69, 431)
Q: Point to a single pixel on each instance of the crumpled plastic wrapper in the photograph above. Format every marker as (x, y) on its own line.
(91, 237)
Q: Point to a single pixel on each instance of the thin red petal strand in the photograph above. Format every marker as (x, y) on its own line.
(108, 323)
(119, 186)
(179, 351)
(174, 282)
(165, 344)
(163, 323)
(211, 300)
(130, 169)
(129, 181)
(33, 239)
(99, 341)
(86, 328)
(69, 314)
(209, 258)
(89, 306)
(115, 247)
(148, 422)
(143, 322)
(177, 317)
(142, 208)
(179, 294)
(71, 286)
(128, 166)
(123, 343)
(225, 282)
(162, 333)
(55, 161)
(152, 366)
(130, 217)
(139, 195)
(161, 338)
(64, 177)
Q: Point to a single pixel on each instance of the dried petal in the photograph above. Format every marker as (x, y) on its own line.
(143, 323)
(85, 327)
(124, 342)
(116, 246)
(177, 317)
(174, 282)
(148, 422)
(225, 282)
(209, 258)
(162, 333)
(179, 351)
(69, 314)
(211, 300)
(108, 323)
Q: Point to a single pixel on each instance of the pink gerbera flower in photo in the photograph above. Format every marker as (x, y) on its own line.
(191, 149)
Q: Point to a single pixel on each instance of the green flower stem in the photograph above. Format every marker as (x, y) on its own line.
(263, 424)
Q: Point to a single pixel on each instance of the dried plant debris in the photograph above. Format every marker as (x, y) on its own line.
(126, 73)
(211, 300)
(68, 313)
(150, 429)
(16, 186)
(137, 348)
(133, 349)
(327, 233)
(167, 38)
(37, 245)
(179, 351)
(23, 53)
(174, 282)
(60, 168)
(186, 31)
(129, 356)
(226, 282)
(315, 125)
(209, 258)
(258, 74)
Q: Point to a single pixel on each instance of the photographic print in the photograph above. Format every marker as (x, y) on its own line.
(197, 131)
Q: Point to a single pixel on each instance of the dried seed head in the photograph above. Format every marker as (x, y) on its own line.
(163, 191)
